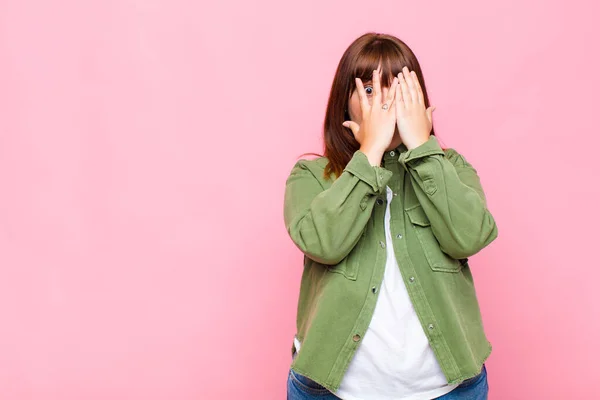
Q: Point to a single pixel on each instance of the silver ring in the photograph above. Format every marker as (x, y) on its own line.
(384, 106)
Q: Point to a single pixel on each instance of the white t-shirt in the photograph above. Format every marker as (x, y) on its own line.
(394, 361)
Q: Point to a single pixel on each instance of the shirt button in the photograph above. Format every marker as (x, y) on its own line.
(382, 244)
(430, 326)
(399, 236)
(374, 289)
(379, 201)
(356, 337)
(392, 153)
(412, 279)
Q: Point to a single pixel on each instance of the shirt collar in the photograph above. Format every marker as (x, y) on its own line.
(392, 155)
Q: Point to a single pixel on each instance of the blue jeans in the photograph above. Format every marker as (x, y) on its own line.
(299, 387)
(475, 388)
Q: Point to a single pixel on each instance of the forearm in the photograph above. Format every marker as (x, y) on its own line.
(450, 192)
(327, 224)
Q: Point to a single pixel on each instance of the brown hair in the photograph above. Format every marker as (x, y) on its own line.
(359, 60)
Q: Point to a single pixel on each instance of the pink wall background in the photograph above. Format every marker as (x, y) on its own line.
(144, 147)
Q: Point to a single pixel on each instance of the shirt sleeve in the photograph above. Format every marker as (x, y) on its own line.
(450, 192)
(326, 224)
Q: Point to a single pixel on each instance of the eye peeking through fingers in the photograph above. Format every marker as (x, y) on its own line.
(369, 90)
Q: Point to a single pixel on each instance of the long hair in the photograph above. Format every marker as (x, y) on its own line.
(359, 60)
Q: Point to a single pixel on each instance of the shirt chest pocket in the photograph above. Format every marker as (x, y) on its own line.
(437, 259)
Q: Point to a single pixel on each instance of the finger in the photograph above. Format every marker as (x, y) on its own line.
(384, 95)
(391, 94)
(419, 90)
(406, 99)
(376, 88)
(354, 127)
(362, 95)
(392, 106)
(399, 100)
(411, 85)
(430, 111)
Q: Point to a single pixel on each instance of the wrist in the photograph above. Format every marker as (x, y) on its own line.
(414, 144)
(373, 154)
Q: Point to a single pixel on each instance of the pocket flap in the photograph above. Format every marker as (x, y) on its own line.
(417, 216)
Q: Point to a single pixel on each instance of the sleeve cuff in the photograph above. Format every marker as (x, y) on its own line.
(430, 147)
(376, 177)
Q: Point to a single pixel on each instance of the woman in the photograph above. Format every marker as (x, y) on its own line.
(386, 220)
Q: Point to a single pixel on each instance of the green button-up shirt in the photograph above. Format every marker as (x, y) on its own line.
(439, 218)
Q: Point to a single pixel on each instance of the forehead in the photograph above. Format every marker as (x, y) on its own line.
(364, 71)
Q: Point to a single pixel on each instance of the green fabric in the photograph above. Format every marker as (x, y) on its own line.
(439, 218)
